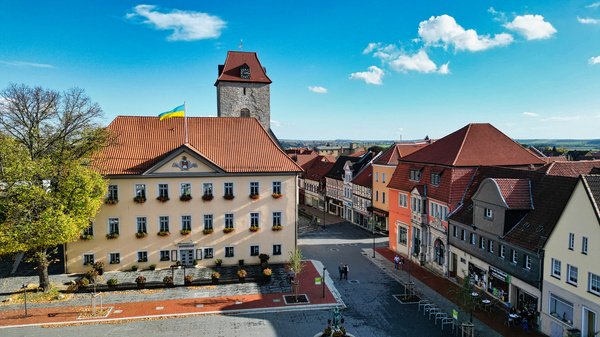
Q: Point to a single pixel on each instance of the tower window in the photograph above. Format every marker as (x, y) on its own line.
(244, 91)
(244, 113)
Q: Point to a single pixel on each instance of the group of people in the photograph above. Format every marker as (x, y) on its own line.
(343, 269)
(398, 261)
(525, 314)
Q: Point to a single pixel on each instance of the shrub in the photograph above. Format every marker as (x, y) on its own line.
(90, 274)
(84, 282)
(242, 273)
(218, 262)
(195, 262)
(112, 282)
(189, 278)
(134, 267)
(140, 279)
(264, 265)
(168, 280)
(215, 275)
(86, 237)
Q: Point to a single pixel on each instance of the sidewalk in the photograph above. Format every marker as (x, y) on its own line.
(441, 285)
(194, 303)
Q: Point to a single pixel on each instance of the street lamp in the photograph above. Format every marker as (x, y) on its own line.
(323, 282)
(25, 293)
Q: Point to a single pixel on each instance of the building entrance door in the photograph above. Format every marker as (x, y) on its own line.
(453, 265)
(588, 322)
(187, 256)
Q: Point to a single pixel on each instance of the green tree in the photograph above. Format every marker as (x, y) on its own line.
(297, 264)
(48, 192)
(375, 149)
(462, 295)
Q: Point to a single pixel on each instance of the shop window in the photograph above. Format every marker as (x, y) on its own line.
(561, 309)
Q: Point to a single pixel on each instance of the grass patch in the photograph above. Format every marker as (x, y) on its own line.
(35, 296)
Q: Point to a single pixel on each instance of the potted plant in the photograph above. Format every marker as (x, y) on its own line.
(254, 228)
(218, 262)
(188, 279)
(99, 266)
(185, 232)
(254, 196)
(163, 199)
(163, 233)
(215, 277)
(228, 230)
(228, 196)
(140, 235)
(208, 231)
(111, 201)
(276, 195)
(139, 200)
(168, 281)
(207, 197)
(242, 274)
(86, 237)
(152, 267)
(134, 267)
(195, 262)
(140, 281)
(327, 331)
(267, 273)
(112, 236)
(112, 282)
(277, 228)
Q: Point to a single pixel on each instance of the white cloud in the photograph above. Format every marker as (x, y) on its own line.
(561, 118)
(444, 69)
(533, 27)
(373, 76)
(499, 16)
(531, 114)
(445, 29)
(372, 46)
(318, 90)
(588, 20)
(26, 64)
(418, 62)
(280, 124)
(594, 60)
(594, 5)
(186, 25)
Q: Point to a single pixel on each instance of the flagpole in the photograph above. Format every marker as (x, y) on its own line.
(185, 121)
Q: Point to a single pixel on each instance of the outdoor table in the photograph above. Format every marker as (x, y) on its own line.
(487, 305)
(486, 301)
(513, 318)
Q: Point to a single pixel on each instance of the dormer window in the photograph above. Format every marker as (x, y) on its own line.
(435, 179)
(415, 175)
(245, 71)
(488, 213)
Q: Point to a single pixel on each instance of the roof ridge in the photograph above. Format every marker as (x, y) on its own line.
(591, 196)
(462, 144)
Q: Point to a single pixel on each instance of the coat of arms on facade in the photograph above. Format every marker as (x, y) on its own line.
(185, 164)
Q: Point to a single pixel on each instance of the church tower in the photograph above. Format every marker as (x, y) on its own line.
(243, 88)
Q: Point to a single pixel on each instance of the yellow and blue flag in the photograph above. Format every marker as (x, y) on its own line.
(177, 112)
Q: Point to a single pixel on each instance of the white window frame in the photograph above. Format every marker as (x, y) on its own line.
(182, 222)
(402, 229)
(208, 189)
(113, 192)
(142, 252)
(110, 230)
(502, 251)
(139, 190)
(164, 253)
(455, 232)
(117, 255)
(206, 256)
(208, 219)
(185, 187)
(280, 249)
(83, 258)
(584, 245)
(514, 256)
(554, 298)
(594, 283)
(276, 187)
(488, 213)
(276, 218)
(472, 238)
(481, 243)
(159, 189)
(254, 187)
(160, 223)
(144, 224)
(491, 246)
(571, 241)
(252, 217)
(250, 251)
(225, 187)
(555, 266)
(225, 249)
(402, 200)
(527, 262)
(572, 274)
(463, 235)
(226, 218)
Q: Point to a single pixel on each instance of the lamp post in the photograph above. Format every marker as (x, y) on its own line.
(25, 293)
(323, 282)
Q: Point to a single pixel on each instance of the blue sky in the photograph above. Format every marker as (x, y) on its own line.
(340, 69)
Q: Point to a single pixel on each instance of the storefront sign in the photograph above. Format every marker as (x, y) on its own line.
(349, 204)
(383, 214)
(187, 244)
(497, 273)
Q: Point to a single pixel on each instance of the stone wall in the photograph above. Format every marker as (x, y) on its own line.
(257, 98)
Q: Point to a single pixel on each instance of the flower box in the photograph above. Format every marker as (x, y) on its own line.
(254, 196)
(115, 262)
(112, 236)
(185, 198)
(276, 195)
(165, 259)
(228, 230)
(139, 200)
(208, 231)
(86, 237)
(163, 199)
(276, 228)
(185, 232)
(228, 196)
(111, 201)
(254, 228)
(207, 197)
(140, 235)
(163, 233)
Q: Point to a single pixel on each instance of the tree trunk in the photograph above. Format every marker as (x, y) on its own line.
(42, 267)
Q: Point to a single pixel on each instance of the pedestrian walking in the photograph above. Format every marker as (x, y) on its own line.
(346, 271)
(396, 261)
(402, 263)
(291, 275)
(341, 270)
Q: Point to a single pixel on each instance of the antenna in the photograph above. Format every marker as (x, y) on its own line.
(241, 44)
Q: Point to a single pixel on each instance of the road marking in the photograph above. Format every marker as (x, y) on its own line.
(160, 308)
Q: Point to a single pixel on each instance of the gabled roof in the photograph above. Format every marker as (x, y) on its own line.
(475, 145)
(338, 168)
(592, 186)
(569, 168)
(316, 168)
(233, 144)
(364, 178)
(230, 71)
(515, 192)
(400, 150)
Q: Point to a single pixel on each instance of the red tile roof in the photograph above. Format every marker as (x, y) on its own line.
(231, 68)
(316, 168)
(358, 153)
(302, 159)
(515, 192)
(364, 178)
(234, 144)
(569, 168)
(475, 145)
(399, 150)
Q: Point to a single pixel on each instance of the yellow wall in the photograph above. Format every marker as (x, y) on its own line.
(127, 211)
(381, 186)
